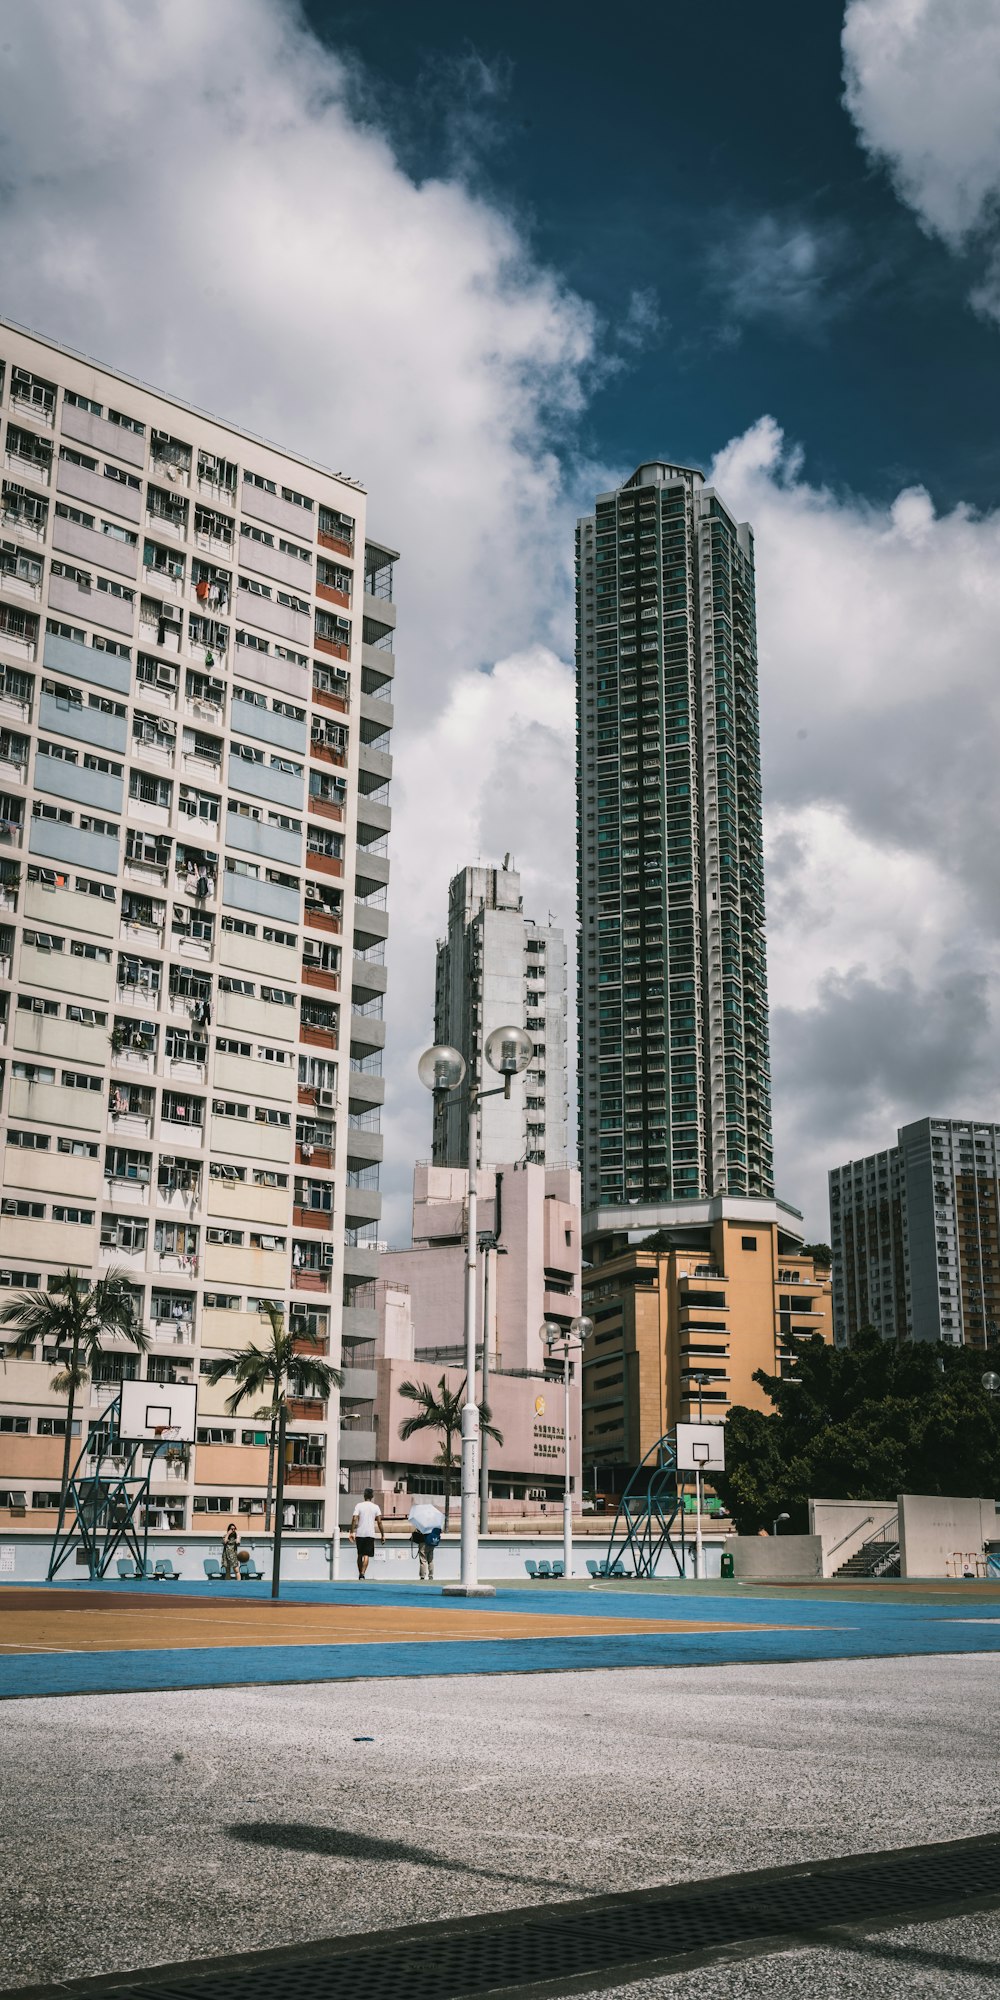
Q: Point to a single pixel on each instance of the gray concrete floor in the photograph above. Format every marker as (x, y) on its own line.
(141, 1829)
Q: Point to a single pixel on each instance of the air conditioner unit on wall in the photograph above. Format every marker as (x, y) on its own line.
(327, 1098)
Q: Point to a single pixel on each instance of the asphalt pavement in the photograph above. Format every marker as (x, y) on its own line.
(153, 1827)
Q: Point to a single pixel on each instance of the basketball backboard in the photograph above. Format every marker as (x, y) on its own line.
(701, 1447)
(159, 1410)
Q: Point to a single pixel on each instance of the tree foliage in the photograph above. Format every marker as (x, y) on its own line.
(75, 1318)
(862, 1423)
(443, 1413)
(276, 1371)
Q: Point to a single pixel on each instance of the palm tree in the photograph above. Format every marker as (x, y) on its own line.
(74, 1317)
(277, 1371)
(442, 1413)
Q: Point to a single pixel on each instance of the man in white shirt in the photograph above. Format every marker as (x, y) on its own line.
(367, 1517)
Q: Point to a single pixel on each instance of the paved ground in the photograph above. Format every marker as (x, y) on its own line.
(129, 1638)
(154, 1827)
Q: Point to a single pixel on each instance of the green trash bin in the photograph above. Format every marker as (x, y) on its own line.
(726, 1565)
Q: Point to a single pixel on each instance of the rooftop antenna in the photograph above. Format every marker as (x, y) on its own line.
(506, 861)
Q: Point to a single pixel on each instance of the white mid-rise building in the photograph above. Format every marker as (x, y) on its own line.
(195, 660)
(498, 968)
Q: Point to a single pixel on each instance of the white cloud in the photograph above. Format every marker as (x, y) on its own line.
(781, 267)
(191, 194)
(880, 718)
(922, 83)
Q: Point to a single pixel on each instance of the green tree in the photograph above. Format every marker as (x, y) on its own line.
(862, 1423)
(275, 1371)
(442, 1412)
(74, 1317)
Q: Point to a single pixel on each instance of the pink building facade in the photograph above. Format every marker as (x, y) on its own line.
(531, 1273)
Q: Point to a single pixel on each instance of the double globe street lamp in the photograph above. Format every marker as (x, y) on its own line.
(441, 1070)
(562, 1343)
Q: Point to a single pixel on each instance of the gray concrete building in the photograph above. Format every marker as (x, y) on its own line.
(196, 667)
(673, 1020)
(497, 968)
(915, 1235)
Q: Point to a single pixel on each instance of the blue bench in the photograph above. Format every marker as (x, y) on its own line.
(165, 1572)
(213, 1569)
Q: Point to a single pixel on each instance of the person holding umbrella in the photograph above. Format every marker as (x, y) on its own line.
(427, 1524)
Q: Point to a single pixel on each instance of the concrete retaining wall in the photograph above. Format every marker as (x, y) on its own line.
(941, 1536)
(776, 1558)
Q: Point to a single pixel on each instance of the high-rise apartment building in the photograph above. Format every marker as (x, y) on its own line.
(195, 660)
(915, 1234)
(674, 1069)
(497, 968)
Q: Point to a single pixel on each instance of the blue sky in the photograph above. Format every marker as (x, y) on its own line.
(487, 260)
(705, 156)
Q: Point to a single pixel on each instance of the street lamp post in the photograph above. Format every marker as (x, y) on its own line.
(442, 1069)
(700, 1377)
(563, 1342)
(780, 1518)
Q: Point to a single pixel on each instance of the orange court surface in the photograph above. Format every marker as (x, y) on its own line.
(75, 1621)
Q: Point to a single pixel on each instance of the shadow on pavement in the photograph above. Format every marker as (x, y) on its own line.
(345, 1844)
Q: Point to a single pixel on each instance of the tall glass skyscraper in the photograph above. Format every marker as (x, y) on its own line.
(674, 1072)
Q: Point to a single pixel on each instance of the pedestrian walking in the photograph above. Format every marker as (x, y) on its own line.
(366, 1519)
(427, 1524)
(230, 1557)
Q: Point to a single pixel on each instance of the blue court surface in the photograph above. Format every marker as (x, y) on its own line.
(678, 1627)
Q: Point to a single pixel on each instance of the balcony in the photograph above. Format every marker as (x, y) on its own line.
(316, 975)
(317, 1038)
(312, 1218)
(323, 920)
(307, 1409)
(358, 1447)
(311, 1281)
(305, 1475)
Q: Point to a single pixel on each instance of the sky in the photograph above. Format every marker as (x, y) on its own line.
(487, 261)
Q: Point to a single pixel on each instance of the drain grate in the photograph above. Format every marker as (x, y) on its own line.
(566, 1945)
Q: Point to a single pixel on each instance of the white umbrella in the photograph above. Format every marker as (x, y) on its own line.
(425, 1517)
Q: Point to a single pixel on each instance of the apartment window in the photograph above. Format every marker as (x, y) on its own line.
(256, 479)
(251, 640)
(35, 1210)
(78, 1079)
(748, 1242)
(78, 1149)
(212, 1503)
(83, 403)
(33, 1142)
(20, 1426)
(297, 499)
(80, 1215)
(232, 1237)
(127, 423)
(256, 589)
(121, 478)
(229, 1107)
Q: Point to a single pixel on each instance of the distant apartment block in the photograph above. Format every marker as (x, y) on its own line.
(915, 1234)
(495, 968)
(684, 1317)
(195, 676)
